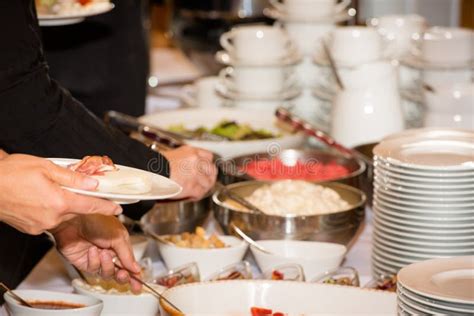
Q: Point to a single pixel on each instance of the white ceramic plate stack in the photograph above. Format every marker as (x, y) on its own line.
(437, 287)
(423, 198)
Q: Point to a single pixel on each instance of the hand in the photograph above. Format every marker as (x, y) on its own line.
(3, 154)
(90, 242)
(193, 169)
(32, 200)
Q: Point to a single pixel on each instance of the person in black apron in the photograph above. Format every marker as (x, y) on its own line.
(39, 117)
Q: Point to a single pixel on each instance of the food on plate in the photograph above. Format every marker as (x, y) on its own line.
(259, 311)
(339, 281)
(55, 305)
(188, 273)
(113, 179)
(196, 240)
(294, 198)
(277, 275)
(387, 284)
(226, 129)
(69, 7)
(275, 169)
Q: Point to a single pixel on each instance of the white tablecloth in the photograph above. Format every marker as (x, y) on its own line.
(50, 273)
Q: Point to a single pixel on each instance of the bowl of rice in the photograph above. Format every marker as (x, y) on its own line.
(293, 209)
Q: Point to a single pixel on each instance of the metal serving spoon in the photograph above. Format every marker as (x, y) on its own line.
(132, 223)
(15, 296)
(237, 198)
(249, 240)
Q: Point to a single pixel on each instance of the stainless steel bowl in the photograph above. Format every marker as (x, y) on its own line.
(175, 217)
(232, 169)
(368, 176)
(338, 227)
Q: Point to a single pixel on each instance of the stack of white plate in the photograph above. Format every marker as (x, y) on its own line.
(423, 198)
(437, 287)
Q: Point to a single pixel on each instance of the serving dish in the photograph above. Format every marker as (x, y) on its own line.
(93, 306)
(117, 303)
(194, 118)
(338, 227)
(232, 168)
(315, 257)
(208, 260)
(226, 298)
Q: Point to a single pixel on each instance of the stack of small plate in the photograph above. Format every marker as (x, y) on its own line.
(423, 198)
(437, 287)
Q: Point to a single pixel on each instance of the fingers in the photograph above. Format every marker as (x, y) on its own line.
(123, 249)
(68, 178)
(80, 204)
(93, 260)
(107, 266)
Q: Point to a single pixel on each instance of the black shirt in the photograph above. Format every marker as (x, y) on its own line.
(39, 117)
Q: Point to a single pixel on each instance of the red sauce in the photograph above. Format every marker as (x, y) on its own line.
(275, 169)
(55, 305)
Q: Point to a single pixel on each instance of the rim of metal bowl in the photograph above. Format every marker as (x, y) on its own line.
(359, 171)
(360, 193)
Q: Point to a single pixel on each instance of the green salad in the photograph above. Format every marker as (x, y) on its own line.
(226, 130)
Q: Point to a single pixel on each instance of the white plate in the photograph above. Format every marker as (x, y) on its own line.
(420, 300)
(342, 16)
(418, 222)
(431, 186)
(422, 175)
(447, 280)
(76, 17)
(385, 240)
(433, 197)
(419, 254)
(291, 93)
(223, 57)
(391, 172)
(450, 212)
(162, 187)
(431, 133)
(385, 197)
(420, 242)
(424, 231)
(424, 310)
(395, 259)
(437, 236)
(443, 154)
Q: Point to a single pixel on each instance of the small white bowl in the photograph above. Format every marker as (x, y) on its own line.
(315, 257)
(116, 303)
(139, 244)
(93, 306)
(208, 260)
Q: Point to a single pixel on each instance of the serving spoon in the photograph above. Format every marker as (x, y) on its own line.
(249, 240)
(15, 296)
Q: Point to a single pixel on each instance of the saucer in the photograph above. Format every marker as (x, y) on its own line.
(342, 16)
(290, 93)
(292, 58)
(417, 62)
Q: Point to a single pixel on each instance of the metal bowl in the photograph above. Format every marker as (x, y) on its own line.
(338, 227)
(368, 176)
(175, 217)
(232, 169)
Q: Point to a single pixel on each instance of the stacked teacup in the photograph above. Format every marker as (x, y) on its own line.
(307, 21)
(259, 72)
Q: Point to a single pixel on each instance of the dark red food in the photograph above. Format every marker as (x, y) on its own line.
(277, 275)
(84, 2)
(259, 311)
(275, 169)
(93, 165)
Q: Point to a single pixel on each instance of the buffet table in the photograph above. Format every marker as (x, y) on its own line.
(50, 273)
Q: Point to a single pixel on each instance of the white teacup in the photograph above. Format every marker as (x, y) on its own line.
(202, 93)
(446, 45)
(354, 45)
(436, 77)
(400, 30)
(256, 43)
(309, 9)
(258, 81)
(306, 36)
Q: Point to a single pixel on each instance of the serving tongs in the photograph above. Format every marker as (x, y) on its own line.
(15, 296)
(299, 124)
(130, 124)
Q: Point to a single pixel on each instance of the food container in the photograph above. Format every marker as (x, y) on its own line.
(175, 217)
(93, 306)
(232, 169)
(337, 227)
